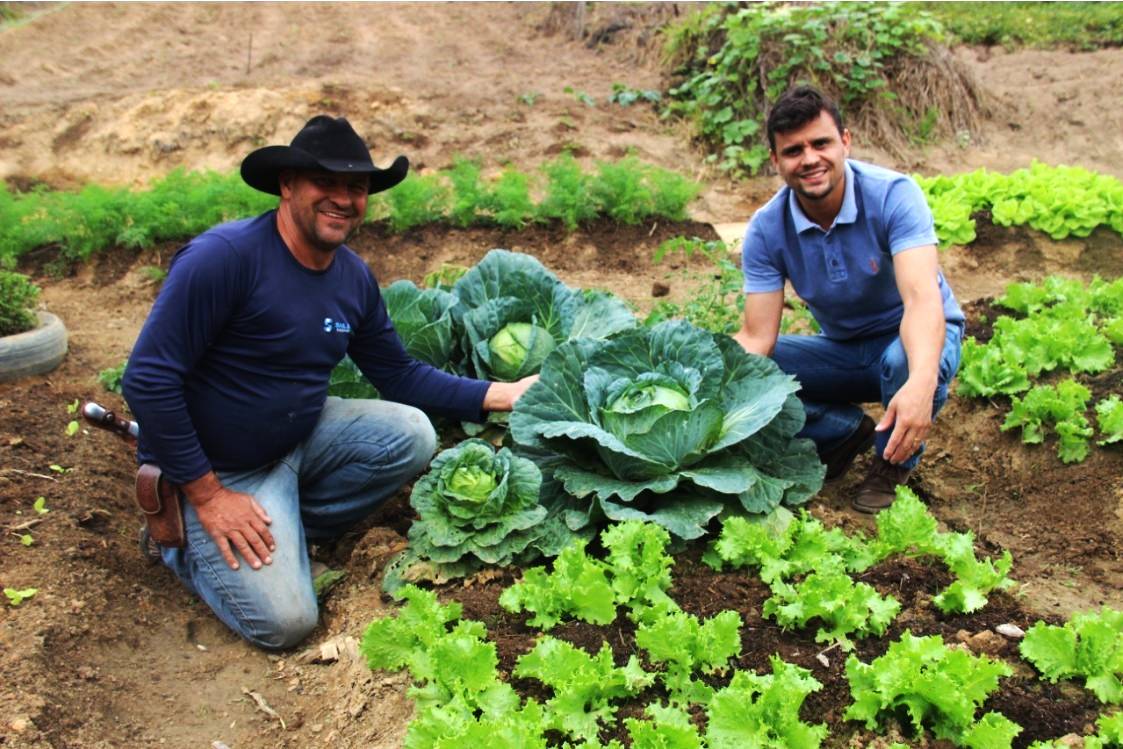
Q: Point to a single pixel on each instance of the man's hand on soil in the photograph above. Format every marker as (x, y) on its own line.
(909, 414)
(234, 520)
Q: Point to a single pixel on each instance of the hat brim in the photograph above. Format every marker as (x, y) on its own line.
(261, 170)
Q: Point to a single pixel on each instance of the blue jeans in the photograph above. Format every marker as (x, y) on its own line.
(835, 376)
(359, 454)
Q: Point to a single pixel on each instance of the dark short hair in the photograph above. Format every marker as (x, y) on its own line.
(796, 108)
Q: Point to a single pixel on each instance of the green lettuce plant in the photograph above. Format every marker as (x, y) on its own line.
(687, 645)
(933, 685)
(636, 573)
(584, 686)
(762, 710)
(1109, 416)
(1089, 645)
(670, 424)
(1061, 406)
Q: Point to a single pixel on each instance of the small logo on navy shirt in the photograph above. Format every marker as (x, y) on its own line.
(335, 326)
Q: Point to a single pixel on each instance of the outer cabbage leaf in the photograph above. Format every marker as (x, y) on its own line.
(424, 321)
(652, 459)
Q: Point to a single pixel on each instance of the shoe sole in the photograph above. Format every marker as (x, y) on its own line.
(868, 509)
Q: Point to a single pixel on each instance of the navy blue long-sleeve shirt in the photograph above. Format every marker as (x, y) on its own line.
(231, 369)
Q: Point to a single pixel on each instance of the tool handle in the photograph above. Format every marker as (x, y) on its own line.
(103, 418)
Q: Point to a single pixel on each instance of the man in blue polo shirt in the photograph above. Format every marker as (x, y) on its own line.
(229, 378)
(858, 245)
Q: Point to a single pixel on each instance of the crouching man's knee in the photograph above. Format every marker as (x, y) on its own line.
(284, 625)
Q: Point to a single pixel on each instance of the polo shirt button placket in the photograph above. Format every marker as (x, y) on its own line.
(836, 269)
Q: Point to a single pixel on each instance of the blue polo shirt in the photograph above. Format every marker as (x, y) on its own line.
(844, 274)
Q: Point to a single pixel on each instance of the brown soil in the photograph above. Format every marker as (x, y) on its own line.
(113, 653)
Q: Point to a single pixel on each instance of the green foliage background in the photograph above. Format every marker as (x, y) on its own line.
(1079, 25)
(733, 62)
(185, 203)
(17, 303)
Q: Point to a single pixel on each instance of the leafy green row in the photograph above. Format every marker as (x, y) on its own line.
(185, 203)
(627, 191)
(460, 696)
(1067, 326)
(1061, 201)
(785, 547)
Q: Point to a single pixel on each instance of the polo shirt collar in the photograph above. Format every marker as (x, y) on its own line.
(847, 214)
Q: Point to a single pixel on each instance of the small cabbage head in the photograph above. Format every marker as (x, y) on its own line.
(518, 349)
(472, 484)
(477, 505)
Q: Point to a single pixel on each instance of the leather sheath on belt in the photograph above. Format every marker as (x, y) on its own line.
(159, 500)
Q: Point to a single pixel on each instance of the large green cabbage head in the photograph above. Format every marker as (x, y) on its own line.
(670, 424)
(514, 312)
(519, 347)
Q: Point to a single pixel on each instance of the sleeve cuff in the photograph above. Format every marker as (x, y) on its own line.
(909, 243)
(758, 287)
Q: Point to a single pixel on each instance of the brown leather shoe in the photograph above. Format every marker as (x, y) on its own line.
(839, 458)
(878, 490)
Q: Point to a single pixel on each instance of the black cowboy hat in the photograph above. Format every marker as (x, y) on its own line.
(323, 143)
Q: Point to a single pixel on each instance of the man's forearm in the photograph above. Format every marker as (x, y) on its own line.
(922, 335)
(755, 345)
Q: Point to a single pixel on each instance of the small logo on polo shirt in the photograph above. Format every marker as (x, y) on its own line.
(873, 265)
(335, 326)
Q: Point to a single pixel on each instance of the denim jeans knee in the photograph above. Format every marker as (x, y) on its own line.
(359, 455)
(272, 607)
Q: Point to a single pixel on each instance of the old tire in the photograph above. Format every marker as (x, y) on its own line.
(37, 351)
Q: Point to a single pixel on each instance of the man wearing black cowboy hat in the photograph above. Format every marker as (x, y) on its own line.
(228, 381)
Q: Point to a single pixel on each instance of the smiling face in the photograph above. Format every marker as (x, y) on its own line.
(811, 160)
(323, 209)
